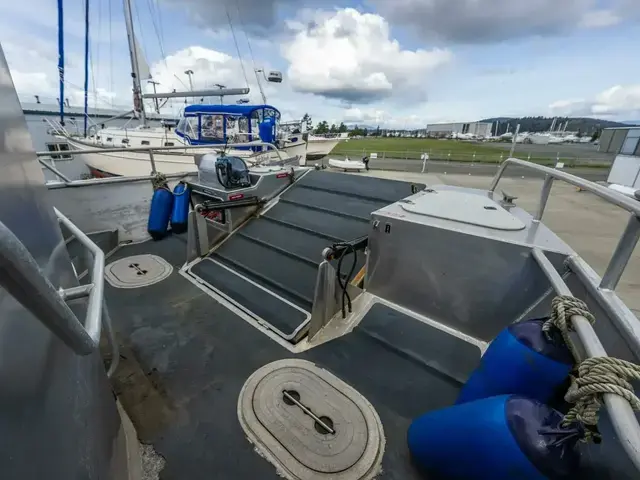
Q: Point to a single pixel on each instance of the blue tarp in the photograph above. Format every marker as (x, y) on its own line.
(226, 109)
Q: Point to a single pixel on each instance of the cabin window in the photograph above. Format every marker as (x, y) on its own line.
(212, 127)
(125, 140)
(144, 142)
(270, 112)
(97, 137)
(59, 147)
(109, 139)
(243, 129)
(168, 144)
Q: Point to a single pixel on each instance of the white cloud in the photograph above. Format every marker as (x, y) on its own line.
(600, 19)
(619, 102)
(474, 21)
(348, 55)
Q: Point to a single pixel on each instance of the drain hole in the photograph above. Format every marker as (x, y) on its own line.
(293, 394)
(327, 422)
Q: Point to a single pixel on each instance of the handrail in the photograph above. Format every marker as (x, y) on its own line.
(21, 276)
(611, 196)
(93, 322)
(629, 238)
(163, 149)
(54, 170)
(622, 415)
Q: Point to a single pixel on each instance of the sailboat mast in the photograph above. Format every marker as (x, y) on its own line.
(61, 59)
(86, 64)
(138, 105)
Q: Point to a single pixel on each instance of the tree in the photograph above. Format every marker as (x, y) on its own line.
(306, 121)
(322, 128)
(342, 128)
(595, 136)
(333, 128)
(365, 132)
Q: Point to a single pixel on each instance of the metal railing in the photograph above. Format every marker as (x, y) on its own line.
(151, 150)
(622, 415)
(21, 276)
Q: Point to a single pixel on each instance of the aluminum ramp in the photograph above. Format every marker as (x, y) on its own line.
(269, 267)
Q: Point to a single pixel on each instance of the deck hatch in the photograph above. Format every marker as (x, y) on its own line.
(137, 271)
(309, 423)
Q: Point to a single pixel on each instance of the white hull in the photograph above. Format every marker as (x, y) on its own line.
(347, 165)
(134, 164)
(322, 146)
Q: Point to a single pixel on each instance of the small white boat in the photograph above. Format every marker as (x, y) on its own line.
(347, 165)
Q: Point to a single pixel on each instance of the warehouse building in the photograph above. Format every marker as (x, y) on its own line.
(481, 129)
(620, 140)
(624, 142)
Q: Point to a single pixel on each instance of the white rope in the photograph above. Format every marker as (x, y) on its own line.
(596, 376)
(563, 307)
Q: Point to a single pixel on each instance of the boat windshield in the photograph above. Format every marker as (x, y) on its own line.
(188, 126)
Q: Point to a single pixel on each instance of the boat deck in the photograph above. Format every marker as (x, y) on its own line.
(192, 354)
(198, 354)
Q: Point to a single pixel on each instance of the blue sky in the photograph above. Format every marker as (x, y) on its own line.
(398, 63)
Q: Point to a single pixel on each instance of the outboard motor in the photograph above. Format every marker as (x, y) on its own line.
(232, 172)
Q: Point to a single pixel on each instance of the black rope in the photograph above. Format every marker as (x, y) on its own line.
(343, 284)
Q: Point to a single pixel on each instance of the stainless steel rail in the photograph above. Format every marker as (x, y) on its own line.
(253, 143)
(21, 276)
(611, 196)
(622, 415)
(630, 236)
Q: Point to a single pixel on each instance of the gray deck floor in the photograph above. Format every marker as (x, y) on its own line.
(199, 354)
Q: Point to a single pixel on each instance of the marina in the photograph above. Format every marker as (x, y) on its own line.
(224, 294)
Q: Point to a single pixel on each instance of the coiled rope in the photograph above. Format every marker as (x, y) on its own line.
(563, 307)
(595, 376)
(159, 180)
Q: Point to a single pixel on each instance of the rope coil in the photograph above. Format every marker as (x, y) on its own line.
(563, 307)
(595, 376)
(159, 180)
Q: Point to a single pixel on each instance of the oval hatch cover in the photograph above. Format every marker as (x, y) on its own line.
(309, 423)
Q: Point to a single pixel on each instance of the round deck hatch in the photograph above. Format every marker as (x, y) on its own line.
(137, 271)
(309, 423)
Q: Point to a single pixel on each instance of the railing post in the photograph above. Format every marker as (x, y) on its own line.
(153, 162)
(544, 196)
(622, 254)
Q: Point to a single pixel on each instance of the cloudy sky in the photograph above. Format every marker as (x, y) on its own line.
(396, 63)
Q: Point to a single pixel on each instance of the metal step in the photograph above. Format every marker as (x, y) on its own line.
(268, 309)
(288, 276)
(335, 226)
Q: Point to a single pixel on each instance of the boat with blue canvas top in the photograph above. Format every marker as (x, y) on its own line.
(247, 127)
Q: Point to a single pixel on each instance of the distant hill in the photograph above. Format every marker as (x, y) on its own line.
(542, 124)
(631, 122)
